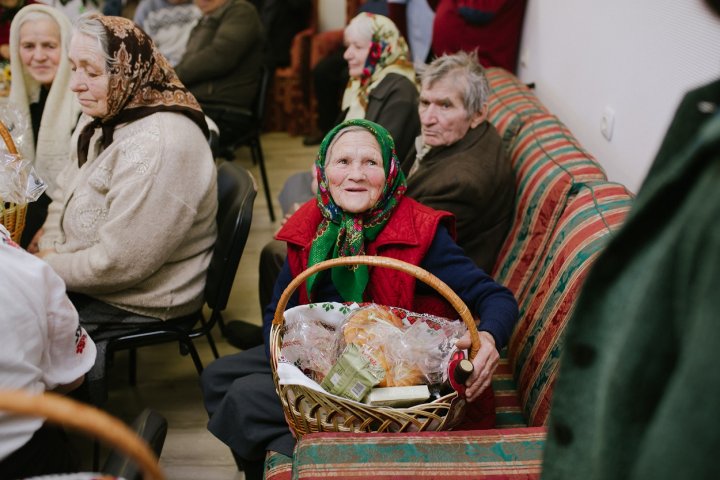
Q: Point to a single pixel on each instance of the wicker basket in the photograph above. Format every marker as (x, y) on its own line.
(310, 411)
(69, 413)
(12, 215)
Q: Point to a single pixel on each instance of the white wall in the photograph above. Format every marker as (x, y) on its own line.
(637, 57)
(331, 14)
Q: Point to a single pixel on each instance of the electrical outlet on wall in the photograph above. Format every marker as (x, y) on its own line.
(607, 123)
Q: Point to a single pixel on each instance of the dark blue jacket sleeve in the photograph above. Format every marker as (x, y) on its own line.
(494, 304)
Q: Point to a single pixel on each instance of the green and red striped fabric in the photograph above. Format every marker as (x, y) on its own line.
(508, 410)
(510, 103)
(512, 454)
(278, 466)
(548, 163)
(588, 222)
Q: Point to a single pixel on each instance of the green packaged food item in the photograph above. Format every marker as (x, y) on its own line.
(353, 375)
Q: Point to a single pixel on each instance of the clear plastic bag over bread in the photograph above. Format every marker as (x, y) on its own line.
(18, 182)
(312, 340)
(412, 348)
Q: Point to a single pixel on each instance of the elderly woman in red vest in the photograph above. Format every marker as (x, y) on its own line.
(360, 209)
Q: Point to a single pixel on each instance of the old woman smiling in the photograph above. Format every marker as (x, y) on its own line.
(360, 209)
(132, 231)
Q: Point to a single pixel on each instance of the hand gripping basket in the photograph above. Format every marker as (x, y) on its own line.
(309, 411)
(12, 215)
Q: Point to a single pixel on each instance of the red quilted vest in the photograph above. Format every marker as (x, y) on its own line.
(407, 236)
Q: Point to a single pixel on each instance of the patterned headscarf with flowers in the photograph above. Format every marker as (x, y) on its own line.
(342, 234)
(142, 82)
(389, 53)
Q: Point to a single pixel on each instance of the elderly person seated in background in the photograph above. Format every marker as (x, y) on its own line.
(459, 163)
(39, 37)
(221, 64)
(44, 348)
(169, 23)
(381, 89)
(360, 209)
(133, 231)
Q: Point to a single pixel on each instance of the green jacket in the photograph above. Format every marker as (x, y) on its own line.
(221, 64)
(638, 394)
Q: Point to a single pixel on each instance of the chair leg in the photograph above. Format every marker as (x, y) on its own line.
(188, 343)
(256, 151)
(132, 366)
(211, 341)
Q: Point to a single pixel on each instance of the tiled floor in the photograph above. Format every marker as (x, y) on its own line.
(167, 382)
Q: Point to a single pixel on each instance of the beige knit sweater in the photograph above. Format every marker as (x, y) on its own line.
(136, 224)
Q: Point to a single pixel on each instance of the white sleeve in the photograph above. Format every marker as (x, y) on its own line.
(71, 352)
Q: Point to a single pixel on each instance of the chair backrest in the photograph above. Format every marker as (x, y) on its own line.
(261, 99)
(236, 197)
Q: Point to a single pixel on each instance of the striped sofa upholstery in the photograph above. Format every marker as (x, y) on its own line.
(565, 213)
(515, 454)
(548, 162)
(594, 211)
(510, 103)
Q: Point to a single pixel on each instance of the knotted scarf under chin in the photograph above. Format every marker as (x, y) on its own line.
(346, 238)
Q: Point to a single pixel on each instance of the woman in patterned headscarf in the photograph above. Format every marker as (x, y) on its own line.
(133, 229)
(382, 86)
(360, 209)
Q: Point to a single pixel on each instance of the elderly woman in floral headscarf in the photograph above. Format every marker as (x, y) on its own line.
(360, 209)
(133, 229)
(382, 86)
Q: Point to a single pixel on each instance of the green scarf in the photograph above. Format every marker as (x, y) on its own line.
(342, 234)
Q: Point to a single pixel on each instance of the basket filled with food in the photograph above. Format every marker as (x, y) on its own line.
(349, 367)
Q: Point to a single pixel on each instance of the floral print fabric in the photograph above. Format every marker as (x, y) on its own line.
(389, 53)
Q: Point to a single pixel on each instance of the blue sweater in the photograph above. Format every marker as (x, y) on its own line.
(492, 303)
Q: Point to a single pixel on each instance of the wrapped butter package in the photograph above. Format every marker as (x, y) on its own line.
(353, 375)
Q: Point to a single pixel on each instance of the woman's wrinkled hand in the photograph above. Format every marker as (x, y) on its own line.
(33, 245)
(484, 363)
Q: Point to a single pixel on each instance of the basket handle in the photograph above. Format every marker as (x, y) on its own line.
(394, 264)
(5, 134)
(64, 411)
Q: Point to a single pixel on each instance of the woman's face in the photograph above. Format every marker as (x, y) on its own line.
(354, 171)
(40, 50)
(356, 53)
(89, 78)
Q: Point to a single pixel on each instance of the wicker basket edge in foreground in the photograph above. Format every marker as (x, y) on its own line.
(310, 411)
(12, 216)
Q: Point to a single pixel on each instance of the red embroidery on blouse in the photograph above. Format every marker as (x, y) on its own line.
(80, 344)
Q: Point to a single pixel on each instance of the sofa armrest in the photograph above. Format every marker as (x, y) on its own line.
(500, 454)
